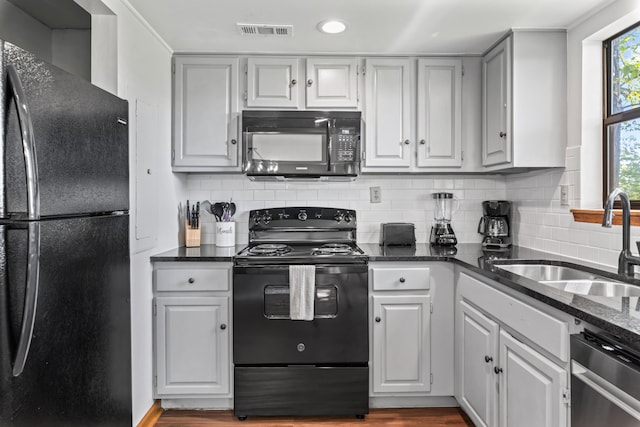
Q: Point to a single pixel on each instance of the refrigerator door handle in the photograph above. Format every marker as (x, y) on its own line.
(28, 142)
(30, 300)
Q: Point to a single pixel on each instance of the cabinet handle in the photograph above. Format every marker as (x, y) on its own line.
(407, 142)
(378, 320)
(497, 370)
(402, 280)
(234, 142)
(503, 134)
(294, 82)
(422, 142)
(488, 359)
(223, 326)
(191, 280)
(309, 82)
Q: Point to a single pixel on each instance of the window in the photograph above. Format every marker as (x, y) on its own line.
(621, 138)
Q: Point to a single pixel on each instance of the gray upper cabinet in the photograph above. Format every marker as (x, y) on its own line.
(524, 92)
(439, 125)
(272, 82)
(205, 114)
(388, 113)
(332, 83)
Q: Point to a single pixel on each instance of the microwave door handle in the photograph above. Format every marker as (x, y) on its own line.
(330, 129)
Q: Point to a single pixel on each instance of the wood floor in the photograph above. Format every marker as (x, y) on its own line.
(410, 417)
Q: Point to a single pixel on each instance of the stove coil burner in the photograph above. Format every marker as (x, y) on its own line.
(333, 249)
(270, 249)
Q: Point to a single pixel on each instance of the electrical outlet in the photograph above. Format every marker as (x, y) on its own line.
(376, 194)
(564, 195)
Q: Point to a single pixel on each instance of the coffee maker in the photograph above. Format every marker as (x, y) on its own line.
(441, 231)
(495, 225)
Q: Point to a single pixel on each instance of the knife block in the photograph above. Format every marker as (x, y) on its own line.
(191, 236)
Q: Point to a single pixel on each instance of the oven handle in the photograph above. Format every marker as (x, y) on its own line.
(607, 390)
(320, 268)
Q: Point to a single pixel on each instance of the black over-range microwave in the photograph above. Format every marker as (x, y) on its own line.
(301, 144)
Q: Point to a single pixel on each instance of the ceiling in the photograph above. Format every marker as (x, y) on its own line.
(374, 26)
(56, 14)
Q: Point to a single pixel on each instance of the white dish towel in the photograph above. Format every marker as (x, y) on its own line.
(302, 291)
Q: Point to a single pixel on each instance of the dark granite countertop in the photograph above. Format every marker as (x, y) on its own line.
(617, 315)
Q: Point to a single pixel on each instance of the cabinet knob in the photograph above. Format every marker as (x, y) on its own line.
(223, 326)
(422, 142)
(402, 280)
(294, 82)
(407, 142)
(503, 134)
(378, 320)
(234, 142)
(191, 280)
(488, 359)
(497, 370)
(309, 82)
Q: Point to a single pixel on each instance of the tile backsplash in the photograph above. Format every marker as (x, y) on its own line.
(541, 222)
(404, 198)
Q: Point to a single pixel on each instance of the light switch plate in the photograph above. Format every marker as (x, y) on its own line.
(564, 195)
(375, 194)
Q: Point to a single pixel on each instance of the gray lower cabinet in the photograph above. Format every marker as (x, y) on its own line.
(192, 330)
(411, 330)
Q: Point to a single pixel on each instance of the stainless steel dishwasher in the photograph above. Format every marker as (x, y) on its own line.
(605, 381)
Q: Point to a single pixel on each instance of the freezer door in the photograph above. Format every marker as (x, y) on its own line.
(66, 142)
(77, 370)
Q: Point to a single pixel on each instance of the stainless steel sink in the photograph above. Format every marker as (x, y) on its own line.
(573, 280)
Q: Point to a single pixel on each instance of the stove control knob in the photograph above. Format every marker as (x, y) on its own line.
(338, 216)
(302, 216)
(266, 219)
(348, 217)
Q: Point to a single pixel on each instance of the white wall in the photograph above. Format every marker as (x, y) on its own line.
(404, 199)
(22, 30)
(144, 77)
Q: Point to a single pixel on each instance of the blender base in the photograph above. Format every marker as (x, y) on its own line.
(442, 235)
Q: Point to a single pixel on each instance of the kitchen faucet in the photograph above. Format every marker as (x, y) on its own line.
(626, 261)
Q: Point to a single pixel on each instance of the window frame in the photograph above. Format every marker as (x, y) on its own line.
(611, 119)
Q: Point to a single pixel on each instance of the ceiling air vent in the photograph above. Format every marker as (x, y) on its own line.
(265, 30)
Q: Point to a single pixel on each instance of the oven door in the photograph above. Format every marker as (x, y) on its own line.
(264, 333)
(287, 151)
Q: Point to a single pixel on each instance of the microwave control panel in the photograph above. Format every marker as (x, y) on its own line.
(346, 144)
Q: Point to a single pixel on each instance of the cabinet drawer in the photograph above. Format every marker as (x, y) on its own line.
(193, 279)
(542, 329)
(398, 279)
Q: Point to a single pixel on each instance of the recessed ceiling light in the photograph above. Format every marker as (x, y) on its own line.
(332, 26)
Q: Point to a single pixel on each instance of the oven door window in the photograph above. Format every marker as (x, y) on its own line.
(276, 302)
(289, 146)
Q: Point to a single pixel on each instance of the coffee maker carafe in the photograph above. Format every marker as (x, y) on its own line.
(495, 224)
(441, 231)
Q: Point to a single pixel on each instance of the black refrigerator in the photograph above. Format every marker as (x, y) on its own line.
(65, 339)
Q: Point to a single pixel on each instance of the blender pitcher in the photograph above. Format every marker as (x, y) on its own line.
(444, 207)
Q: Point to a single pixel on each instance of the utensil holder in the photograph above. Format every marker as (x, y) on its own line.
(191, 236)
(225, 234)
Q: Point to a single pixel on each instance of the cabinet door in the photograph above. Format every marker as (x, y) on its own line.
(401, 356)
(439, 113)
(478, 349)
(205, 114)
(272, 82)
(496, 108)
(192, 345)
(531, 387)
(388, 115)
(332, 82)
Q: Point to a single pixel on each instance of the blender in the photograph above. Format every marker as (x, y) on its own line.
(441, 231)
